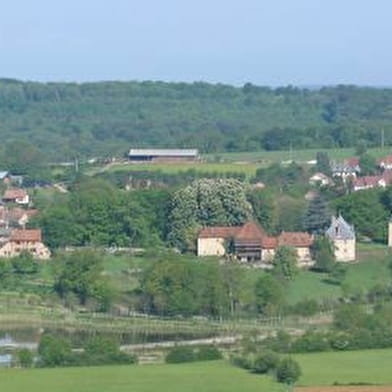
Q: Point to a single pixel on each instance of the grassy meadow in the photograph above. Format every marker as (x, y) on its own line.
(236, 162)
(195, 377)
(348, 367)
(246, 168)
(296, 155)
(353, 367)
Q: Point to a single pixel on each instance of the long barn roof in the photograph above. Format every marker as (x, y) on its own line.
(163, 152)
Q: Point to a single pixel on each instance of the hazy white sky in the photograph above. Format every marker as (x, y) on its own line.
(267, 42)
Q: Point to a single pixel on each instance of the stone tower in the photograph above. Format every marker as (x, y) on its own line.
(390, 232)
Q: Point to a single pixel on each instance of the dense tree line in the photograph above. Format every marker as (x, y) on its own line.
(97, 214)
(65, 120)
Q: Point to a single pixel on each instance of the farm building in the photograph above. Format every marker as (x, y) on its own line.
(251, 243)
(163, 155)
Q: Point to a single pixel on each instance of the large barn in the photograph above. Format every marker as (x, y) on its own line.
(163, 155)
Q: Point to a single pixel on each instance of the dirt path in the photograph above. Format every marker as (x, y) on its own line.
(353, 388)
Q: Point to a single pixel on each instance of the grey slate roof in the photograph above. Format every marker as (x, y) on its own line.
(340, 229)
(163, 152)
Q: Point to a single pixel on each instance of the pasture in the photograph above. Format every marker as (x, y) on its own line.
(344, 368)
(195, 377)
(286, 155)
(245, 163)
(246, 168)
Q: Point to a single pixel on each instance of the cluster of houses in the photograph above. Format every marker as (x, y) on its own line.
(251, 244)
(15, 213)
(350, 170)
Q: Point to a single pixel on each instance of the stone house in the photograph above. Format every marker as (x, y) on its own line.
(251, 244)
(342, 236)
(25, 240)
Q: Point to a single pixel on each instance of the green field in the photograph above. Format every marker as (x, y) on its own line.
(371, 270)
(247, 168)
(368, 366)
(296, 155)
(236, 162)
(196, 377)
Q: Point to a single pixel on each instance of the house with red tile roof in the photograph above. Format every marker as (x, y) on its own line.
(369, 182)
(349, 168)
(16, 195)
(252, 244)
(23, 240)
(385, 163)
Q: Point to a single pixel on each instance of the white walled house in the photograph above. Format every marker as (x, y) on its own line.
(16, 195)
(342, 236)
(25, 241)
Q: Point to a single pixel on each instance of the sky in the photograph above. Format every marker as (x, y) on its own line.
(264, 42)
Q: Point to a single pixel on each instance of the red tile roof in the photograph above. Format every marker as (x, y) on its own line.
(219, 231)
(251, 231)
(354, 161)
(269, 242)
(12, 194)
(32, 235)
(367, 181)
(386, 160)
(296, 239)
(253, 234)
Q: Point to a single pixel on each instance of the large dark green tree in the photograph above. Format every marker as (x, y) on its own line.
(368, 211)
(323, 254)
(285, 263)
(368, 164)
(265, 208)
(269, 294)
(206, 202)
(317, 217)
(80, 273)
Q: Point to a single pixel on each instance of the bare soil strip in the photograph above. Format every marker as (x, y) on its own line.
(351, 388)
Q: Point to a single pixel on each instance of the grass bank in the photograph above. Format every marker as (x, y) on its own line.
(196, 377)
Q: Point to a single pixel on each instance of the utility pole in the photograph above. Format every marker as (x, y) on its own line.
(382, 139)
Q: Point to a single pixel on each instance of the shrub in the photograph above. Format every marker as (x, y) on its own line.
(281, 343)
(25, 358)
(208, 353)
(288, 371)
(104, 351)
(311, 341)
(265, 362)
(241, 362)
(54, 351)
(306, 308)
(180, 354)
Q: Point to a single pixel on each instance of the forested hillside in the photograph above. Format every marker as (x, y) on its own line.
(105, 118)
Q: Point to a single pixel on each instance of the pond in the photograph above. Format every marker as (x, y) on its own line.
(13, 339)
